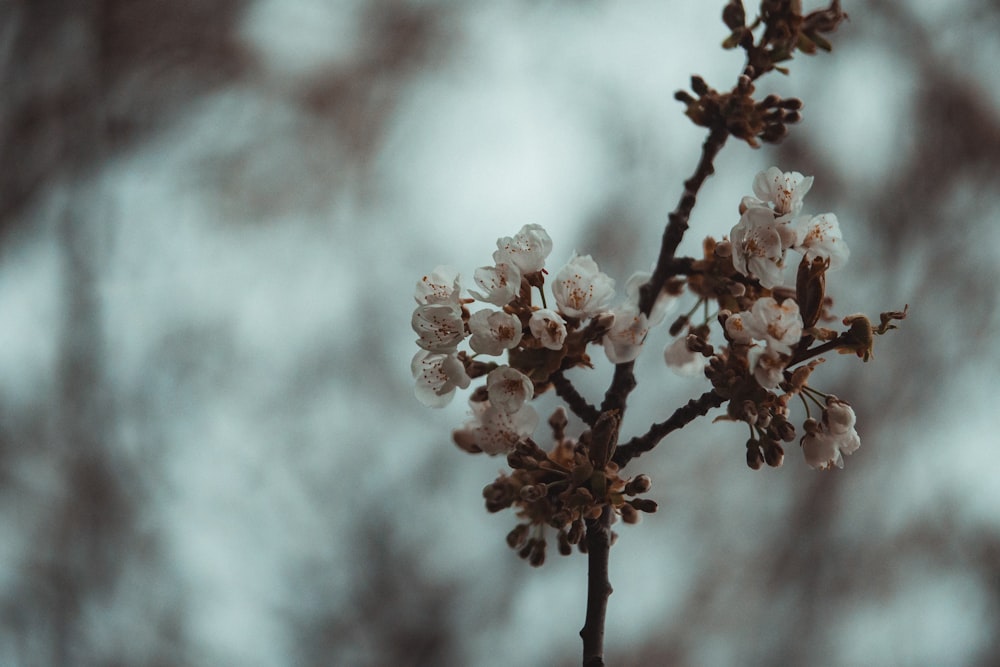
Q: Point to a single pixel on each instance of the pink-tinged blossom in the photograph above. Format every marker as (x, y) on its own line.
(508, 388)
(580, 289)
(439, 286)
(494, 431)
(494, 331)
(758, 247)
(782, 191)
(439, 326)
(527, 249)
(682, 360)
(437, 375)
(500, 283)
(624, 340)
(820, 236)
(548, 327)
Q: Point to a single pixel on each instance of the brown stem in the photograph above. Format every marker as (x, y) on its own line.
(598, 588)
(678, 224)
(577, 403)
(683, 416)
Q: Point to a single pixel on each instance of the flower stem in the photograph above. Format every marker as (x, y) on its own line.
(598, 588)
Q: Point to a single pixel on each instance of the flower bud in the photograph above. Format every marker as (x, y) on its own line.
(517, 537)
(638, 484)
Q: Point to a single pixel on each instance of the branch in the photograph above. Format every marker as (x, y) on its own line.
(684, 415)
(598, 588)
(577, 403)
(678, 224)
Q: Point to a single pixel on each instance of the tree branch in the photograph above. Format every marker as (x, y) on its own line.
(683, 416)
(678, 224)
(598, 587)
(577, 403)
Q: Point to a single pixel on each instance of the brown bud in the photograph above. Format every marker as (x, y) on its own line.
(517, 537)
(699, 86)
(638, 484)
(755, 459)
(629, 513)
(774, 454)
(733, 15)
(643, 505)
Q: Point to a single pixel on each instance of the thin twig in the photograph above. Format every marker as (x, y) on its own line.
(683, 416)
(576, 402)
(598, 588)
(678, 224)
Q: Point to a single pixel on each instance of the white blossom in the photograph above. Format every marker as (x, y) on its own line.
(826, 442)
(548, 327)
(439, 286)
(527, 249)
(820, 236)
(758, 247)
(683, 361)
(580, 289)
(508, 388)
(494, 331)
(778, 325)
(437, 375)
(439, 326)
(500, 283)
(782, 191)
(623, 342)
(770, 330)
(494, 431)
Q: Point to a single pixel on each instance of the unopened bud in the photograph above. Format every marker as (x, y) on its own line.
(755, 459)
(532, 492)
(733, 15)
(638, 484)
(678, 324)
(774, 454)
(698, 85)
(517, 537)
(643, 505)
(565, 548)
(629, 514)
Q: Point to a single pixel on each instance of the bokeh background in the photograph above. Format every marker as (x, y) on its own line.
(212, 216)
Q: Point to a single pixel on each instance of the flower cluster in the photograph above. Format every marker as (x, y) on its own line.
(538, 341)
(561, 489)
(506, 333)
(771, 224)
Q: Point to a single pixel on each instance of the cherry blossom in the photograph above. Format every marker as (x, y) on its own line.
(580, 289)
(495, 431)
(508, 388)
(439, 286)
(820, 236)
(500, 283)
(758, 246)
(624, 340)
(548, 327)
(439, 326)
(782, 191)
(494, 331)
(437, 375)
(526, 250)
(779, 325)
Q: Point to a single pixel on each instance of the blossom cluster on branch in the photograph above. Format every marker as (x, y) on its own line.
(755, 335)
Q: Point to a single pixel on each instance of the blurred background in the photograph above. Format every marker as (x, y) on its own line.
(212, 216)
